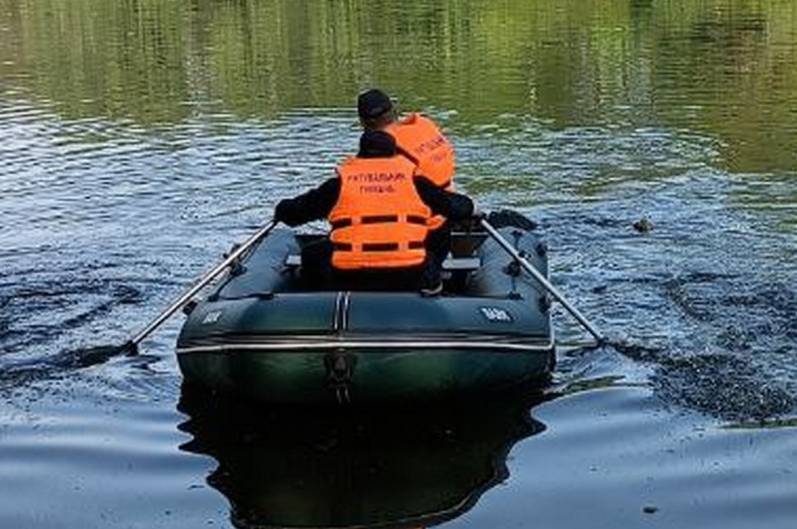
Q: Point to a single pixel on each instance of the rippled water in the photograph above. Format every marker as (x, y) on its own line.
(138, 140)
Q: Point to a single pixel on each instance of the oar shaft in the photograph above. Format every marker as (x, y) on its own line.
(528, 267)
(207, 278)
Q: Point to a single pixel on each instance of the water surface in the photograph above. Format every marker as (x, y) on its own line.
(139, 139)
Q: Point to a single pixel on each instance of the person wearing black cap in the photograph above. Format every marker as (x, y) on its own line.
(420, 140)
(379, 207)
(375, 110)
(417, 137)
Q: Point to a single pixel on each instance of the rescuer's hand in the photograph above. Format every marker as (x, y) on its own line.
(281, 212)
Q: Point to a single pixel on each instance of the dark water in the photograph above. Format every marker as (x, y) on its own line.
(139, 139)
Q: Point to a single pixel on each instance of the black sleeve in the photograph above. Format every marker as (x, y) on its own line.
(316, 204)
(450, 205)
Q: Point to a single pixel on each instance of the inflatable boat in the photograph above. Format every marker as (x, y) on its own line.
(264, 332)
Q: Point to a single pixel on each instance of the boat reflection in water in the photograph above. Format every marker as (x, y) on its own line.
(340, 467)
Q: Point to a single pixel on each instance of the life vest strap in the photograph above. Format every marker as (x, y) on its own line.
(406, 154)
(379, 246)
(377, 219)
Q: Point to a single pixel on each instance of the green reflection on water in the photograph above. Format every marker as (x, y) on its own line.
(725, 67)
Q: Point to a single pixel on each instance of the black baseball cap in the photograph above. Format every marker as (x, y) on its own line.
(373, 103)
(377, 144)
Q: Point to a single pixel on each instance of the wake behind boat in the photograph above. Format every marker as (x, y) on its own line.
(266, 333)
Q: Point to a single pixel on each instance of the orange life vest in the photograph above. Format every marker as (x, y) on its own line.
(420, 140)
(379, 220)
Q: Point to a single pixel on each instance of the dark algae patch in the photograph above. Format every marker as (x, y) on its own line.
(722, 385)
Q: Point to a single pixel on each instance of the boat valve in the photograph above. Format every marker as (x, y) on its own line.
(512, 269)
(545, 303)
(340, 370)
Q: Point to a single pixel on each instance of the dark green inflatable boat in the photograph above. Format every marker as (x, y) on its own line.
(264, 334)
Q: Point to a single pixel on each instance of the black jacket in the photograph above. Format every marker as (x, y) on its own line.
(317, 203)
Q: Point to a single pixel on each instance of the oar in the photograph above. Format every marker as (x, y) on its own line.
(131, 346)
(511, 250)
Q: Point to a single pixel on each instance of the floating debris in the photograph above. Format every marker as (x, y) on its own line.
(643, 225)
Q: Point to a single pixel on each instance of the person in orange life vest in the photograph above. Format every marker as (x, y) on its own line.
(379, 207)
(417, 137)
(420, 140)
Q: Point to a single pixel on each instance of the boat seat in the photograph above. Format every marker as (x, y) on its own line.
(451, 264)
(465, 244)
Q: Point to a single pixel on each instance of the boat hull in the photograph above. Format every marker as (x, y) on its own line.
(387, 373)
